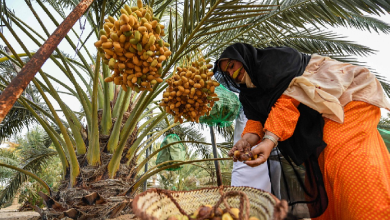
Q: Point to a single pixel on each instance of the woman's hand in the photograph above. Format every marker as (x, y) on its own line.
(262, 150)
(242, 145)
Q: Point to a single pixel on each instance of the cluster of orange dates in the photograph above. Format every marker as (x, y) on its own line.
(133, 48)
(190, 93)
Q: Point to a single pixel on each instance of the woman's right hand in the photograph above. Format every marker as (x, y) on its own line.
(242, 145)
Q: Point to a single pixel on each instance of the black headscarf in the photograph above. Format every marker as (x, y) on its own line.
(271, 70)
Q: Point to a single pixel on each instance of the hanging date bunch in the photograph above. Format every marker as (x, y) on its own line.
(190, 94)
(133, 48)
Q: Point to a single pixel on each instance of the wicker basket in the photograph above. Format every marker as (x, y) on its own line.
(156, 204)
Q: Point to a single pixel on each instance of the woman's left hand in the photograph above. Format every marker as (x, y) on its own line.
(263, 150)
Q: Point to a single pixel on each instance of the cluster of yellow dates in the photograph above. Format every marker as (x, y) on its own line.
(190, 93)
(206, 211)
(133, 48)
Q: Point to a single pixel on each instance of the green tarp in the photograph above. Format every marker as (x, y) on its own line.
(224, 111)
(173, 152)
(386, 137)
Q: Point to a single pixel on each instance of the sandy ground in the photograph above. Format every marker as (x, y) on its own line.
(14, 215)
(11, 213)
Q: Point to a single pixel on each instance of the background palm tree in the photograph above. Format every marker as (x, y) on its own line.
(186, 178)
(31, 152)
(191, 176)
(104, 150)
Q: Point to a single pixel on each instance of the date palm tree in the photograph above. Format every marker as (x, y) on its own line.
(32, 153)
(99, 156)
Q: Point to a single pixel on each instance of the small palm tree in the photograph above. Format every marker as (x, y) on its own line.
(187, 178)
(31, 153)
(190, 176)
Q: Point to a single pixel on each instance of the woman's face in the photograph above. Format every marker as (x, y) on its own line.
(233, 68)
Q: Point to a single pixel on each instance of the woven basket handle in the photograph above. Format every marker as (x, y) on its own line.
(243, 200)
(169, 195)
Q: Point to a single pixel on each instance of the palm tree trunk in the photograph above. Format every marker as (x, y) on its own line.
(216, 163)
(19, 83)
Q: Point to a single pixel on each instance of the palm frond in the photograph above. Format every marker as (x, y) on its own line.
(327, 44)
(7, 156)
(188, 132)
(322, 42)
(294, 15)
(17, 119)
(365, 23)
(59, 6)
(33, 164)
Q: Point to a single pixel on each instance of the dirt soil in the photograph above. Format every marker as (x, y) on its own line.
(11, 213)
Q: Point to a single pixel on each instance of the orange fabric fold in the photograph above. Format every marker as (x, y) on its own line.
(356, 166)
(281, 120)
(283, 117)
(254, 127)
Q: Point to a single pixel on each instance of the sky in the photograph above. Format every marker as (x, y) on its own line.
(377, 61)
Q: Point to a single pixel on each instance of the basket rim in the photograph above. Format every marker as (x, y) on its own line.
(140, 214)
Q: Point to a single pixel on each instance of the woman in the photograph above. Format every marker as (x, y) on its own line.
(322, 114)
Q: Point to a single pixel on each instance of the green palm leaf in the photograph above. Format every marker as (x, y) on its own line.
(189, 133)
(33, 164)
(17, 119)
(7, 156)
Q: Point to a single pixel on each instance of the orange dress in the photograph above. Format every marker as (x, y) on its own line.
(355, 164)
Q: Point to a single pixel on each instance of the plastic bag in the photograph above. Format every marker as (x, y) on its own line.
(224, 111)
(173, 152)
